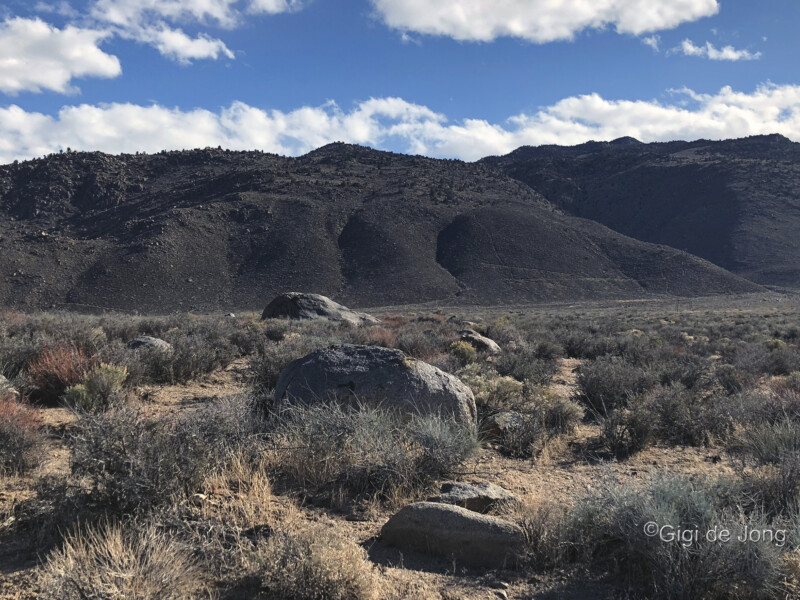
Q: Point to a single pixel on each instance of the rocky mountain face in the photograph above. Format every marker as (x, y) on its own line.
(735, 203)
(213, 229)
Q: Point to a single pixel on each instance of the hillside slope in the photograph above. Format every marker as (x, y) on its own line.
(735, 203)
(211, 229)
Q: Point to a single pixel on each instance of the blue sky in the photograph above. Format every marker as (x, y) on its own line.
(451, 78)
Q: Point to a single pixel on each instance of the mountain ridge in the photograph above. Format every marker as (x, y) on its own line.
(735, 203)
(213, 229)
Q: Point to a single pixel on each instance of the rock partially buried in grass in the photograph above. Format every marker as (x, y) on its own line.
(480, 342)
(149, 343)
(296, 305)
(375, 375)
(455, 532)
(499, 424)
(477, 497)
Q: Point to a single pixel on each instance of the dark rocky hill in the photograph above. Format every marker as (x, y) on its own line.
(735, 203)
(211, 229)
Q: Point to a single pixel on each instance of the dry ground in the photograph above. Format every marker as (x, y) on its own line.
(567, 470)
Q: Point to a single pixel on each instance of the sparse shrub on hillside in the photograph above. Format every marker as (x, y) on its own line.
(540, 420)
(424, 338)
(20, 440)
(607, 383)
(192, 356)
(767, 443)
(99, 389)
(681, 416)
(689, 370)
(132, 463)
(53, 370)
(524, 364)
(312, 565)
(625, 431)
(492, 391)
(16, 352)
(760, 359)
(374, 335)
(363, 451)
(134, 562)
(733, 380)
(606, 531)
(464, 352)
(585, 346)
(773, 488)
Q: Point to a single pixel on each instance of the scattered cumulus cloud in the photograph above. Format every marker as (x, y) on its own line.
(63, 9)
(398, 124)
(538, 21)
(157, 23)
(711, 52)
(176, 45)
(654, 41)
(273, 7)
(35, 56)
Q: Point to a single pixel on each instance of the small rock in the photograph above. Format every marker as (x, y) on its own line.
(148, 342)
(480, 342)
(497, 425)
(477, 497)
(455, 532)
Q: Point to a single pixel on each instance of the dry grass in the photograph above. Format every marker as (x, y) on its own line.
(20, 440)
(313, 565)
(122, 562)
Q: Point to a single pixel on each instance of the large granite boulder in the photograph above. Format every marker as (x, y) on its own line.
(375, 375)
(457, 533)
(296, 305)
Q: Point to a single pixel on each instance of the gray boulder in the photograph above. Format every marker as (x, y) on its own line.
(477, 497)
(149, 343)
(376, 375)
(296, 305)
(480, 342)
(499, 424)
(455, 532)
(6, 388)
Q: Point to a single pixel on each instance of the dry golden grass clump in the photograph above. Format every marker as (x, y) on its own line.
(129, 562)
(313, 565)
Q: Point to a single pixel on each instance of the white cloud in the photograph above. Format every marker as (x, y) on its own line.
(175, 44)
(62, 8)
(273, 7)
(397, 124)
(538, 21)
(132, 14)
(711, 52)
(654, 41)
(152, 22)
(35, 56)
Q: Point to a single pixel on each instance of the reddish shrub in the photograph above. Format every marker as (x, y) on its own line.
(53, 370)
